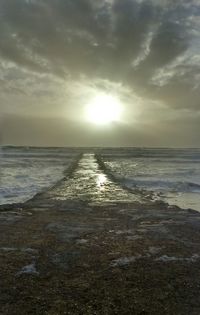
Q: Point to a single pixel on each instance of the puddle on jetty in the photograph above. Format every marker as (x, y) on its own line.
(89, 183)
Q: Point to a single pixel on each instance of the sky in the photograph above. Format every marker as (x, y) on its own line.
(58, 55)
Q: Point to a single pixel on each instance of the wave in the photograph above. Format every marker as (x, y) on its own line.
(160, 153)
(39, 155)
(162, 185)
(152, 182)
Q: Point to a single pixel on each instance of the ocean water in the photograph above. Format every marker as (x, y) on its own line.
(26, 171)
(172, 175)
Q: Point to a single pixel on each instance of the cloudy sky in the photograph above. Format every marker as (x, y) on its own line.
(56, 55)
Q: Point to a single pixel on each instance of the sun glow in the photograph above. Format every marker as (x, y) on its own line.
(104, 109)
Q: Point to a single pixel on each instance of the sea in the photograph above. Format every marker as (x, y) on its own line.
(171, 175)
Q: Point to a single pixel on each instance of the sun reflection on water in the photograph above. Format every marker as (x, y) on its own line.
(101, 180)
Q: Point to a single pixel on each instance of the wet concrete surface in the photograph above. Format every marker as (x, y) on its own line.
(88, 246)
(90, 184)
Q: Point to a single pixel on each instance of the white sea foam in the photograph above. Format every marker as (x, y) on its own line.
(27, 171)
(172, 175)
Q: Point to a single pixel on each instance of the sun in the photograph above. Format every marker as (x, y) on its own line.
(104, 109)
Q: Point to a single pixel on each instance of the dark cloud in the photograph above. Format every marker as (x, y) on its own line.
(136, 43)
(87, 36)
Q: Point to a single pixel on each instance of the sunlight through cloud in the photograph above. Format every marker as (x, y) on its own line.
(104, 109)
